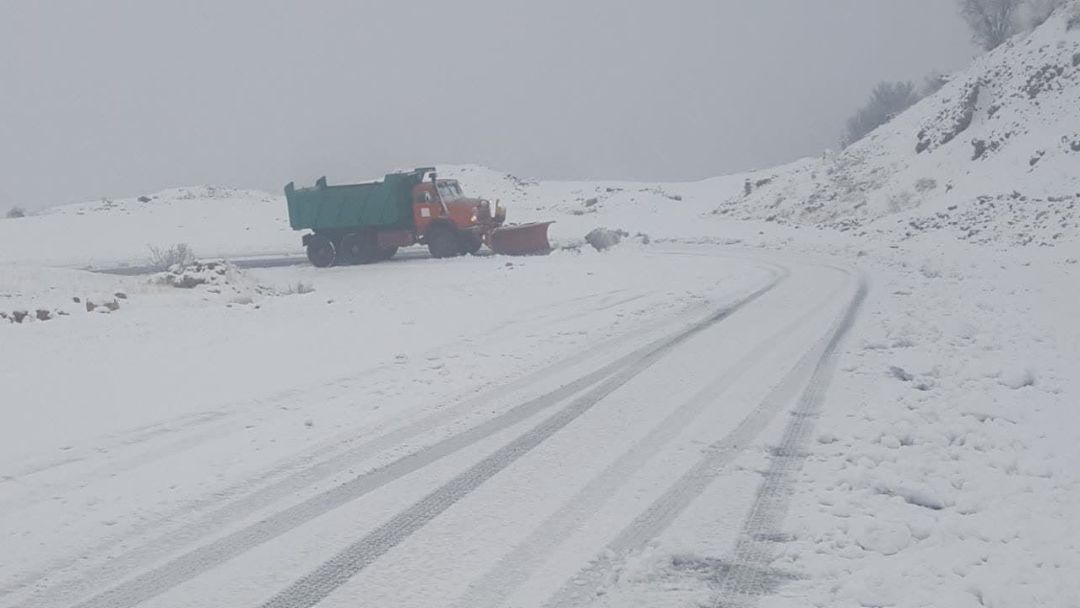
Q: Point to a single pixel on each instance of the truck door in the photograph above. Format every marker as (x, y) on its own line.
(426, 207)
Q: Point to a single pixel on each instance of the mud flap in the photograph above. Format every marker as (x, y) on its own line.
(523, 239)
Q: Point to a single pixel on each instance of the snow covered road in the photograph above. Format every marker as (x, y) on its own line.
(490, 442)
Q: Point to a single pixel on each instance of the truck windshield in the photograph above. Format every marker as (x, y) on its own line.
(449, 191)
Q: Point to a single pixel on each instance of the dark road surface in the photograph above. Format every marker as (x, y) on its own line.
(277, 261)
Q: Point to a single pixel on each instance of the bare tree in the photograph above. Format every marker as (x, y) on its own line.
(888, 100)
(164, 258)
(992, 22)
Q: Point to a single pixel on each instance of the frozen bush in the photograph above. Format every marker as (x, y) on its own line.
(992, 22)
(15, 212)
(179, 255)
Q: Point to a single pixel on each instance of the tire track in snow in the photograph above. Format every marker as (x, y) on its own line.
(147, 433)
(513, 569)
(189, 565)
(133, 437)
(817, 364)
(749, 575)
(252, 497)
(321, 582)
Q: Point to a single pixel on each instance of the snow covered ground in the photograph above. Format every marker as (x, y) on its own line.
(855, 385)
(138, 436)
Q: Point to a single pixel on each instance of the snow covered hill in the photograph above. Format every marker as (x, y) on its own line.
(994, 156)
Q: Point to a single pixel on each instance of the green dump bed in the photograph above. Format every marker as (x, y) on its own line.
(376, 204)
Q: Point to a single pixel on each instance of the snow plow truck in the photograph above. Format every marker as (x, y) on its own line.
(366, 223)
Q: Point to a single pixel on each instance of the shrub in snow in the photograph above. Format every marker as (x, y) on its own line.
(15, 212)
(165, 258)
(992, 22)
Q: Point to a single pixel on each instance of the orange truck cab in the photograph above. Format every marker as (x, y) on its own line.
(439, 205)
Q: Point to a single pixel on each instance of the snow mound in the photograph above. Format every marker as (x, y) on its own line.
(218, 278)
(215, 274)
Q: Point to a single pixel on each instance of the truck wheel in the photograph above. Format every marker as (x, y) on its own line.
(471, 243)
(443, 243)
(321, 251)
(387, 253)
(360, 248)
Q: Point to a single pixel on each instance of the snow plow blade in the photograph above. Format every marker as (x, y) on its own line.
(523, 239)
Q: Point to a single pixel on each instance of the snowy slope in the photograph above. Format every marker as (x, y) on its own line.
(991, 157)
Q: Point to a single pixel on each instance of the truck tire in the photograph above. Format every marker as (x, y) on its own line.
(471, 243)
(443, 242)
(321, 251)
(360, 248)
(387, 252)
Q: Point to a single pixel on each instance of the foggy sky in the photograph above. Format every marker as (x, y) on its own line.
(125, 97)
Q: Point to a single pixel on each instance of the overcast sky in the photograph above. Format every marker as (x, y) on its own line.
(123, 97)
